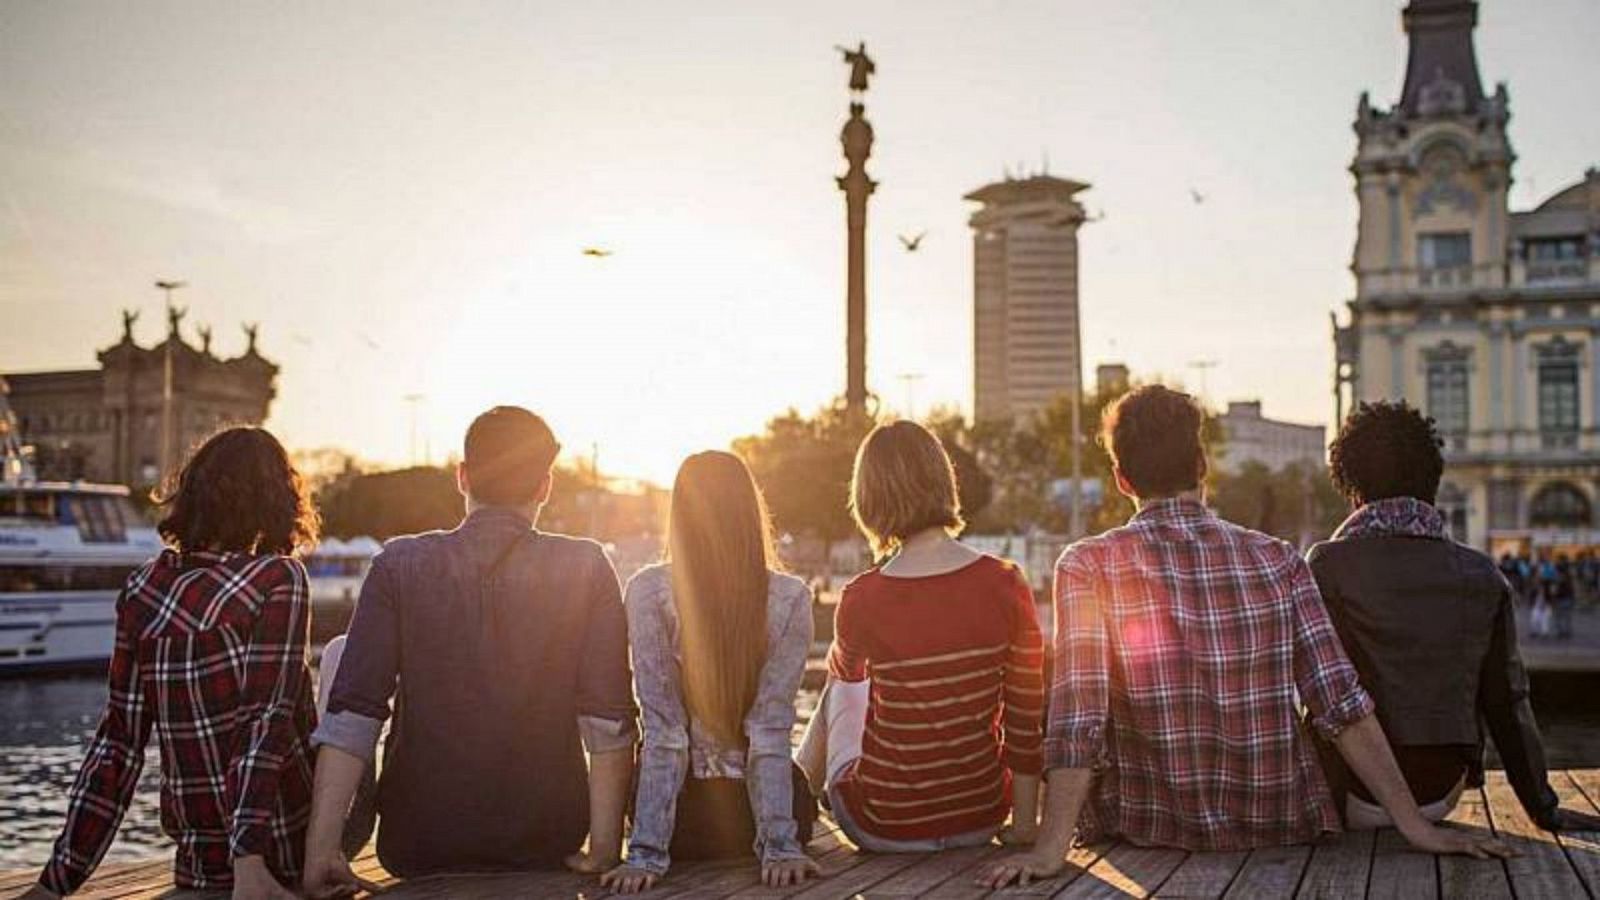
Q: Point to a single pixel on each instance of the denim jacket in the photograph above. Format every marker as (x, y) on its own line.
(673, 744)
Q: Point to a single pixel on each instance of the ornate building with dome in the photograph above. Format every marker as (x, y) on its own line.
(1486, 318)
(106, 424)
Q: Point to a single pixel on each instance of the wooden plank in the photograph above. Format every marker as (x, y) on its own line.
(1203, 875)
(1398, 872)
(1127, 871)
(928, 874)
(1339, 866)
(1463, 876)
(1580, 792)
(964, 886)
(1271, 872)
(1541, 869)
(870, 871)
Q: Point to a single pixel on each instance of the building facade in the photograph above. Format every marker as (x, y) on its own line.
(106, 424)
(1248, 436)
(1025, 295)
(1486, 318)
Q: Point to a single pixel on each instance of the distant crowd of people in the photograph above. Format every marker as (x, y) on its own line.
(1205, 687)
(1552, 587)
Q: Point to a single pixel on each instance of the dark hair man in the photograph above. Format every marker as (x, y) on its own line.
(1181, 644)
(1430, 625)
(510, 650)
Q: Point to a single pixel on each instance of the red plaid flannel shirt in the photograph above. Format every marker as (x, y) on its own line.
(1182, 645)
(211, 653)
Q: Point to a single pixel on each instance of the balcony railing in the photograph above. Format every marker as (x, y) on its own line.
(1445, 277)
(1556, 270)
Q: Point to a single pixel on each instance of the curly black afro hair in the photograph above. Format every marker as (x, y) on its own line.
(1386, 449)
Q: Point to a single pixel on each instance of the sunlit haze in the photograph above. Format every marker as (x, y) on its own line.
(400, 193)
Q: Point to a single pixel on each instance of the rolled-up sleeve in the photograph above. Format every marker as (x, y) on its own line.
(1075, 736)
(606, 711)
(1327, 682)
(358, 704)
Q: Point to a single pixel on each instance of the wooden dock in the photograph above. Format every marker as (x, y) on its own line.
(1348, 866)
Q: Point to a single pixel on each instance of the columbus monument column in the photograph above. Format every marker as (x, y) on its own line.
(857, 140)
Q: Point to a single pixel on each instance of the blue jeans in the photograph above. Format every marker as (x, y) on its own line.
(876, 844)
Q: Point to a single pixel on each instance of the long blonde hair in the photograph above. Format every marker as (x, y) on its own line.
(720, 546)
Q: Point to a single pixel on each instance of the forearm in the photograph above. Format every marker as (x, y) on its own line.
(338, 776)
(609, 774)
(1024, 801)
(661, 774)
(1065, 793)
(771, 793)
(1366, 751)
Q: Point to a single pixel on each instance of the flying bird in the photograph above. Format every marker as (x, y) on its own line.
(912, 243)
(597, 252)
(1198, 197)
(368, 340)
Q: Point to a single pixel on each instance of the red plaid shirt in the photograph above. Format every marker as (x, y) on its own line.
(211, 652)
(1182, 644)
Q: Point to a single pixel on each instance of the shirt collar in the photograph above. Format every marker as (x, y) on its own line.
(1172, 509)
(1393, 516)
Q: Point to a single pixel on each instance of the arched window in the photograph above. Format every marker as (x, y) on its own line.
(1559, 505)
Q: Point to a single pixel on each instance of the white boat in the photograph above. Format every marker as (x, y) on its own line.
(65, 552)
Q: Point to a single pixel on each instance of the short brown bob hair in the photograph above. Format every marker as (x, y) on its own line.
(508, 455)
(1153, 436)
(238, 493)
(903, 484)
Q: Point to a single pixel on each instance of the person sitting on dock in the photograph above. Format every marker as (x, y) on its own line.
(509, 645)
(719, 642)
(1184, 645)
(928, 734)
(1429, 623)
(210, 653)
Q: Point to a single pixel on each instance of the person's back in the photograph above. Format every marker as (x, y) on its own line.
(1429, 624)
(492, 627)
(1205, 625)
(504, 651)
(1184, 647)
(210, 655)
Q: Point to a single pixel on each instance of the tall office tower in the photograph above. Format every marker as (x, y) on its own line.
(1025, 295)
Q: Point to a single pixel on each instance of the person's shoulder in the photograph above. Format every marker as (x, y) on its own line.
(651, 584)
(788, 587)
(1476, 564)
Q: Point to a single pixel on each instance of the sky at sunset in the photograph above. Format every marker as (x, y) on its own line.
(399, 192)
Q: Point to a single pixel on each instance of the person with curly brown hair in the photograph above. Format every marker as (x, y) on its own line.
(1430, 625)
(210, 654)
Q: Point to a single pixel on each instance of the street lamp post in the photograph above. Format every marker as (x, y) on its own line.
(167, 286)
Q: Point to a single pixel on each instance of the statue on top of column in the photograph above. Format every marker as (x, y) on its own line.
(175, 316)
(251, 330)
(861, 65)
(129, 316)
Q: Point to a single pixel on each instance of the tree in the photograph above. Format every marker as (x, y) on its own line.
(384, 504)
(803, 466)
(1297, 503)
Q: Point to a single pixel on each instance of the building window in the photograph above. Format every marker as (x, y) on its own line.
(1559, 505)
(1555, 259)
(1558, 394)
(1449, 398)
(1445, 258)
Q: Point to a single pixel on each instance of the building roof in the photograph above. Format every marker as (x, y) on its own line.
(1025, 190)
(1574, 197)
(1442, 67)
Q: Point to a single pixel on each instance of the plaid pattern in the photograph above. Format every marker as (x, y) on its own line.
(211, 654)
(1182, 644)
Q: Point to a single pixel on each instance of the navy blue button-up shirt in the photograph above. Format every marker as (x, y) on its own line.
(504, 649)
